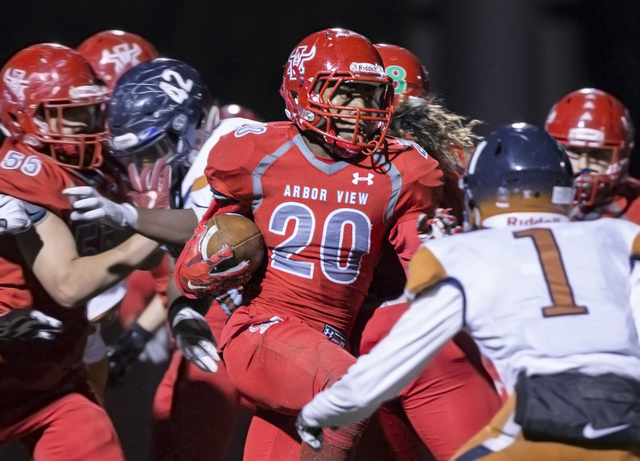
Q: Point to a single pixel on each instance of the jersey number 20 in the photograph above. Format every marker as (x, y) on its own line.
(333, 235)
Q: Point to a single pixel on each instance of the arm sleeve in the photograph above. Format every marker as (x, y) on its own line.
(226, 173)
(431, 321)
(405, 241)
(422, 189)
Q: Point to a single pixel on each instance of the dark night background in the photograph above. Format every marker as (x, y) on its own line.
(496, 60)
(500, 61)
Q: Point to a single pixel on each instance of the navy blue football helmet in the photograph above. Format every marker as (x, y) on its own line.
(521, 174)
(160, 109)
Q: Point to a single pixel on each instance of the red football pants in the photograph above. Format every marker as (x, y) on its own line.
(69, 429)
(448, 403)
(197, 414)
(280, 366)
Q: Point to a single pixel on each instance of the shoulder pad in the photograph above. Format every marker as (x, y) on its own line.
(424, 271)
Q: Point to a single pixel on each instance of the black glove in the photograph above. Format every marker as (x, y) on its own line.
(124, 352)
(25, 324)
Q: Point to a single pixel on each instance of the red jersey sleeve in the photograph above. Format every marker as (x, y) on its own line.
(422, 192)
(226, 172)
(422, 185)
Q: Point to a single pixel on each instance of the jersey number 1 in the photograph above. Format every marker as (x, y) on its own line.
(554, 273)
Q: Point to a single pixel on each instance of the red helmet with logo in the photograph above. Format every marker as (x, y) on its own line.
(596, 123)
(235, 110)
(113, 52)
(410, 78)
(50, 100)
(316, 69)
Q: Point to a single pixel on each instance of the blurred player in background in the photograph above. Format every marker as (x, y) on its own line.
(325, 189)
(163, 124)
(54, 109)
(235, 110)
(598, 134)
(544, 276)
(452, 398)
(113, 52)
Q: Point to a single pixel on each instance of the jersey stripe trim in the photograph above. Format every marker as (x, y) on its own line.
(635, 247)
(424, 271)
(318, 164)
(395, 178)
(256, 176)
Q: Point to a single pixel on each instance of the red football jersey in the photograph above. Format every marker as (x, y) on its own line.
(36, 178)
(323, 223)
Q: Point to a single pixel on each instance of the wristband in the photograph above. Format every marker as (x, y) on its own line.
(138, 332)
(201, 306)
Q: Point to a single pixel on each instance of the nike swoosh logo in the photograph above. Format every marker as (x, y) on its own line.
(195, 287)
(590, 433)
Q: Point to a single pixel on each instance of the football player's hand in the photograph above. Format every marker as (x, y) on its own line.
(194, 339)
(439, 225)
(89, 205)
(14, 219)
(197, 276)
(125, 351)
(310, 434)
(152, 186)
(25, 324)
(230, 301)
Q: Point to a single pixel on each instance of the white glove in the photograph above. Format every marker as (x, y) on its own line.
(310, 434)
(13, 216)
(89, 205)
(193, 337)
(25, 324)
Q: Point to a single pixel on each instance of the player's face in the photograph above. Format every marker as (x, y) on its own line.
(589, 158)
(75, 120)
(351, 94)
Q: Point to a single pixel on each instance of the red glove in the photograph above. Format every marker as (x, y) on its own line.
(442, 224)
(196, 277)
(152, 187)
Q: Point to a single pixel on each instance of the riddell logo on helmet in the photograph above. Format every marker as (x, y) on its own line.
(297, 59)
(14, 78)
(523, 219)
(366, 68)
(586, 137)
(85, 91)
(122, 55)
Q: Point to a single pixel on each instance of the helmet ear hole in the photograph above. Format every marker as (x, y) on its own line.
(294, 95)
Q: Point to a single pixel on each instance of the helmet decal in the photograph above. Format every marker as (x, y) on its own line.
(121, 56)
(15, 80)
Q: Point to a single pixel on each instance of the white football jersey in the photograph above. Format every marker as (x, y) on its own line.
(196, 193)
(549, 299)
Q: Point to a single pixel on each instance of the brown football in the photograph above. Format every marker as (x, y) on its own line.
(239, 233)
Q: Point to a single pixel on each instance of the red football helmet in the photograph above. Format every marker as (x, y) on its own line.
(410, 78)
(50, 100)
(592, 122)
(235, 110)
(316, 69)
(113, 52)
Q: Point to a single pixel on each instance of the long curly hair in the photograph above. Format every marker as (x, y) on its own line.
(446, 136)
